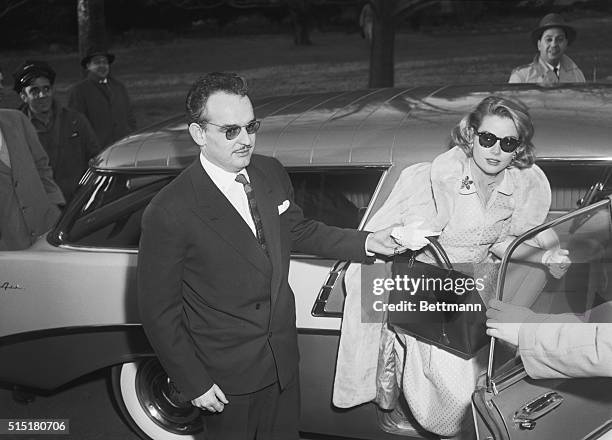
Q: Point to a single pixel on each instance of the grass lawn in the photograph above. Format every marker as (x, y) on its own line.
(158, 75)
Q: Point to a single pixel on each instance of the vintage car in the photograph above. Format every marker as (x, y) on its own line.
(68, 303)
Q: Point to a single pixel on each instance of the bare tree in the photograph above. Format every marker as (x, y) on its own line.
(382, 48)
(382, 52)
(92, 25)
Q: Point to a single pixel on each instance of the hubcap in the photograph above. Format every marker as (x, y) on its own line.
(160, 404)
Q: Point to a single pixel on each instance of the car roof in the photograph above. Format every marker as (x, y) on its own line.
(384, 127)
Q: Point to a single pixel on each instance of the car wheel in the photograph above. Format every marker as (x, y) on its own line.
(142, 394)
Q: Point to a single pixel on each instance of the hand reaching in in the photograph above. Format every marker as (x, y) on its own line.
(504, 320)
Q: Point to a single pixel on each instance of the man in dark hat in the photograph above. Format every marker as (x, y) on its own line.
(103, 99)
(550, 65)
(64, 133)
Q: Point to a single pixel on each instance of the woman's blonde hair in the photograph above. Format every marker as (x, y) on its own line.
(463, 133)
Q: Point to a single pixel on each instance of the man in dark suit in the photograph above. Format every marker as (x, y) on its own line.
(213, 290)
(103, 99)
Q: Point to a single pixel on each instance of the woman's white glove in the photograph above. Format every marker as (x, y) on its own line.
(557, 261)
(412, 235)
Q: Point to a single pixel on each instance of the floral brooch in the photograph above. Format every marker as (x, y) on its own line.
(466, 182)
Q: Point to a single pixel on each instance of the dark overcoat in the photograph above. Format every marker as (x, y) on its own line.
(107, 107)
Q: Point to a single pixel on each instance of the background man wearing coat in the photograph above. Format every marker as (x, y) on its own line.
(213, 286)
(103, 99)
(28, 194)
(64, 133)
(550, 65)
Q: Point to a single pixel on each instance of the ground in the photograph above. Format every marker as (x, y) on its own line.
(159, 75)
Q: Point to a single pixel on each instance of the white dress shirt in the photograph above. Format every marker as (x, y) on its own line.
(232, 190)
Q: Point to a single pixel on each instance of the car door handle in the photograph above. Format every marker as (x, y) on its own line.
(536, 408)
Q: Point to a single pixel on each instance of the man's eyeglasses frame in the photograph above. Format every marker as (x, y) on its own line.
(232, 131)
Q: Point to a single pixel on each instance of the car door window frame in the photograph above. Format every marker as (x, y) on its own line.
(497, 382)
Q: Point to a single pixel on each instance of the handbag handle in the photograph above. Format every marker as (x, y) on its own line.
(439, 250)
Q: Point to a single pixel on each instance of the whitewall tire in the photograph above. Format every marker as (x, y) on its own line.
(141, 391)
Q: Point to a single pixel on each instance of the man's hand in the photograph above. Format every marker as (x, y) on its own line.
(212, 400)
(505, 320)
(381, 242)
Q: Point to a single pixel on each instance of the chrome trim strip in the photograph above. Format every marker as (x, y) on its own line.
(374, 197)
(73, 247)
(600, 431)
(515, 375)
(585, 160)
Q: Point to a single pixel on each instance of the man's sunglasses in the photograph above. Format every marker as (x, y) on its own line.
(507, 144)
(232, 131)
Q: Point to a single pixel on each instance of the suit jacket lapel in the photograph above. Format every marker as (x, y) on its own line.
(215, 210)
(268, 211)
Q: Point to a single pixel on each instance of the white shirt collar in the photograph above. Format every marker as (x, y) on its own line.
(222, 178)
(550, 66)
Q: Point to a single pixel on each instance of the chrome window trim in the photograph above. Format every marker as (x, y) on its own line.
(73, 247)
(318, 308)
(126, 250)
(586, 160)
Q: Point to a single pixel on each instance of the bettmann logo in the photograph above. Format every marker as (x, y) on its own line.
(9, 287)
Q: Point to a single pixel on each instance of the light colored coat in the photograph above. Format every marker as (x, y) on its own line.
(539, 72)
(438, 382)
(561, 346)
(34, 188)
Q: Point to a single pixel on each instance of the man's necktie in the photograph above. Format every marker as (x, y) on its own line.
(556, 70)
(248, 189)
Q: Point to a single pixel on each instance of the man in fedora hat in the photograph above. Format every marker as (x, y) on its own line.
(64, 133)
(550, 65)
(103, 99)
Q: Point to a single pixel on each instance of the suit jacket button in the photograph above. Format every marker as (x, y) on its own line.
(269, 334)
(257, 306)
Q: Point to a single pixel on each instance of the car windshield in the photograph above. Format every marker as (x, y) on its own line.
(587, 235)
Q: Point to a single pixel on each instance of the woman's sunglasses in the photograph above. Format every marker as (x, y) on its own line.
(232, 131)
(507, 144)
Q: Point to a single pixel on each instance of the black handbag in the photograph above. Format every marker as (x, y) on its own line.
(438, 315)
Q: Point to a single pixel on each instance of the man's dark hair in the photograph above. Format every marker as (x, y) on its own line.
(206, 85)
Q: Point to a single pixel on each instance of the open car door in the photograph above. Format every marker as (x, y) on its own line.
(513, 406)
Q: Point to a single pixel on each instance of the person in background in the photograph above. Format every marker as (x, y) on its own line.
(550, 65)
(65, 134)
(29, 197)
(556, 346)
(103, 99)
(366, 21)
